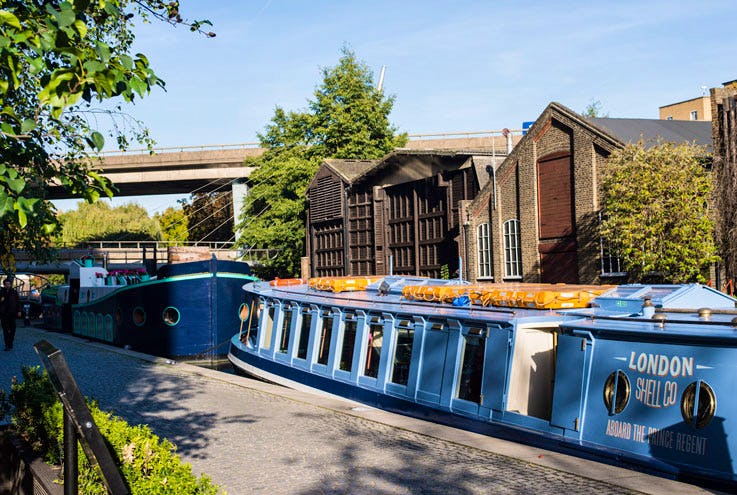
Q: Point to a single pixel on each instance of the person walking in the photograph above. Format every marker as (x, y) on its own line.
(9, 311)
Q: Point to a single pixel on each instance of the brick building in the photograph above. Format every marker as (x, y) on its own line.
(537, 218)
(401, 210)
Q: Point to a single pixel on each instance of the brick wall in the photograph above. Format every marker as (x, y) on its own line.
(557, 130)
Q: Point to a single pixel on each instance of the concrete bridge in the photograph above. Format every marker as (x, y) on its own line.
(184, 169)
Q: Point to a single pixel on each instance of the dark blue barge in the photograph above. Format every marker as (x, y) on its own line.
(187, 311)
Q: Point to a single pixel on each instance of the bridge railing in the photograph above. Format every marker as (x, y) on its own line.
(133, 252)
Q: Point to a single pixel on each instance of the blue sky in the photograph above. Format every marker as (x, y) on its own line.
(453, 66)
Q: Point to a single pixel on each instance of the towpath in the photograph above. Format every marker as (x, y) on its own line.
(253, 437)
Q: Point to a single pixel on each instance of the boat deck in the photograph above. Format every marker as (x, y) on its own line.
(250, 436)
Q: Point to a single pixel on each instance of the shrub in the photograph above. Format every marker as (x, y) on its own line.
(148, 464)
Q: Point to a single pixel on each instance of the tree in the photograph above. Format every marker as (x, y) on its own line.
(173, 223)
(98, 221)
(593, 109)
(210, 217)
(657, 212)
(348, 118)
(60, 60)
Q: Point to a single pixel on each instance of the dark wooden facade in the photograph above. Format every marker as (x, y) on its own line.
(399, 214)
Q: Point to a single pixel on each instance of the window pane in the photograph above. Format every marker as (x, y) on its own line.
(349, 341)
(373, 350)
(304, 335)
(268, 327)
(257, 308)
(484, 251)
(325, 333)
(402, 355)
(472, 370)
(285, 327)
(512, 249)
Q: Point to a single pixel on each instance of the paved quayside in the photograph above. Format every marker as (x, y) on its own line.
(253, 437)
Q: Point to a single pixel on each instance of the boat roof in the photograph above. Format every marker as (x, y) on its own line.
(686, 309)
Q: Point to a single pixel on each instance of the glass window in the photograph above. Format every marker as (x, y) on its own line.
(512, 250)
(472, 368)
(484, 250)
(323, 351)
(373, 350)
(611, 265)
(285, 327)
(694, 115)
(304, 334)
(268, 327)
(349, 341)
(405, 336)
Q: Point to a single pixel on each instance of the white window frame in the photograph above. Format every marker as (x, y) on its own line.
(483, 244)
(512, 250)
(694, 115)
(611, 265)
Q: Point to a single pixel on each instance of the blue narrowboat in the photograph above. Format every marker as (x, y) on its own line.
(638, 375)
(186, 311)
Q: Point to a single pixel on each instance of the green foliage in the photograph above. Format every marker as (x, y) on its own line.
(173, 223)
(99, 221)
(348, 118)
(657, 215)
(445, 272)
(210, 217)
(593, 109)
(148, 464)
(63, 65)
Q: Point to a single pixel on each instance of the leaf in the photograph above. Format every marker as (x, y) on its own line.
(27, 126)
(9, 18)
(126, 62)
(16, 185)
(98, 140)
(6, 203)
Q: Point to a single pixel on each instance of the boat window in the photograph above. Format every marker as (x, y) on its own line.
(698, 404)
(373, 350)
(616, 392)
(268, 326)
(139, 316)
(349, 341)
(171, 316)
(405, 335)
(285, 326)
(304, 334)
(326, 332)
(472, 368)
(250, 313)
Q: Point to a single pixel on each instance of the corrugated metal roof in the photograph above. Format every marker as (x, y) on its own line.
(652, 130)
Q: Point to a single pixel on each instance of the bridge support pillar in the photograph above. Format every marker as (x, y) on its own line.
(239, 190)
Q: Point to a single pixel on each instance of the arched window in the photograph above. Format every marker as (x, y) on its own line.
(512, 250)
(484, 250)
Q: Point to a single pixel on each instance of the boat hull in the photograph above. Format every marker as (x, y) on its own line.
(189, 312)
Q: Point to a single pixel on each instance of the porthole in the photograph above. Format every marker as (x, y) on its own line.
(616, 381)
(139, 316)
(171, 316)
(707, 404)
(243, 312)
